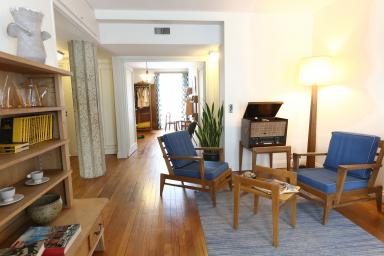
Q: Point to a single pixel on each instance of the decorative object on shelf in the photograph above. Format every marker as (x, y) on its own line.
(314, 72)
(3, 92)
(31, 129)
(8, 196)
(13, 148)
(45, 209)
(27, 30)
(31, 182)
(209, 131)
(36, 176)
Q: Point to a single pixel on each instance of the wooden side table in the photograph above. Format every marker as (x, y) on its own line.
(265, 150)
(243, 184)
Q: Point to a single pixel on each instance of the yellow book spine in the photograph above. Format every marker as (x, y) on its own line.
(16, 130)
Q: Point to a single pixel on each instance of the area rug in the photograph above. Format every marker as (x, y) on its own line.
(254, 234)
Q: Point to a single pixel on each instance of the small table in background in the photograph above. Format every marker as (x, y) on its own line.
(265, 150)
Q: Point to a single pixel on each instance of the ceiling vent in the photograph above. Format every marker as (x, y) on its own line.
(162, 31)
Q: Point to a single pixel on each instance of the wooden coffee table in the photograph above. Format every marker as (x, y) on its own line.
(278, 200)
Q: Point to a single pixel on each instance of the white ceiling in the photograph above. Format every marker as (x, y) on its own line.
(162, 65)
(159, 50)
(211, 5)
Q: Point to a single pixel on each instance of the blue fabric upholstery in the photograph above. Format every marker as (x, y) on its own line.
(351, 148)
(179, 144)
(211, 170)
(325, 180)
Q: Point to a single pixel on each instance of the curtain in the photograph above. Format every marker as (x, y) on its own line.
(157, 88)
(185, 95)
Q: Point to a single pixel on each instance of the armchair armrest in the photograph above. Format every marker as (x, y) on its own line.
(342, 174)
(296, 157)
(195, 158)
(354, 167)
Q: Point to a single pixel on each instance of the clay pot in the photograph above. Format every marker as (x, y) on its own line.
(45, 209)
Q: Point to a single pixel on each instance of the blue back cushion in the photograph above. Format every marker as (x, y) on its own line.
(179, 144)
(351, 148)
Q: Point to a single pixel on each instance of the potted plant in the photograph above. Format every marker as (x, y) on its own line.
(210, 128)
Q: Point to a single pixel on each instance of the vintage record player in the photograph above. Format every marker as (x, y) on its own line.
(261, 128)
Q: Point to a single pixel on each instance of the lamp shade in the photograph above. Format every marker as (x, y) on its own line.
(316, 71)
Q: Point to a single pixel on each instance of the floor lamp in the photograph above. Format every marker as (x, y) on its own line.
(314, 72)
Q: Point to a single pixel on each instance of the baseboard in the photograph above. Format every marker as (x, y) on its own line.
(110, 149)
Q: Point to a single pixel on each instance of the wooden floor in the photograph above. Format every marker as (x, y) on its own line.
(138, 222)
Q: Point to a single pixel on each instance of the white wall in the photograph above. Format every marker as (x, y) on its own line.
(9, 44)
(135, 33)
(261, 55)
(354, 36)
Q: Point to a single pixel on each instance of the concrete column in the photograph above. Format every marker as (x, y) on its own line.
(85, 86)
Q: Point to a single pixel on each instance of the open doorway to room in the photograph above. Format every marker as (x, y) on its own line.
(166, 94)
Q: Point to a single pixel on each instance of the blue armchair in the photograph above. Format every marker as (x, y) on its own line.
(350, 169)
(185, 165)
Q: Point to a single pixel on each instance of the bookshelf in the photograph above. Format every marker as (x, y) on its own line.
(51, 156)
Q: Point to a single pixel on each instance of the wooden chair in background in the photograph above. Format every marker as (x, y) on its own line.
(349, 173)
(169, 122)
(185, 165)
(278, 200)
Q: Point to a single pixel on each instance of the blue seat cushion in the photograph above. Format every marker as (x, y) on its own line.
(325, 180)
(211, 170)
(351, 148)
(179, 144)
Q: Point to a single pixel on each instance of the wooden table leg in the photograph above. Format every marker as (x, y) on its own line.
(271, 159)
(240, 156)
(254, 158)
(275, 218)
(236, 197)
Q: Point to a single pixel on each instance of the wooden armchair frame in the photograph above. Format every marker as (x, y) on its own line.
(200, 184)
(342, 198)
(278, 201)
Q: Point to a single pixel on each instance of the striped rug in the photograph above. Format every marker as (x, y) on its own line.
(254, 235)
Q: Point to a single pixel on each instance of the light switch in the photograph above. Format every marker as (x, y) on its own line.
(230, 108)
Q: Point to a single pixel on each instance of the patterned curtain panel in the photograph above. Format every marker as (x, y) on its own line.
(184, 99)
(156, 82)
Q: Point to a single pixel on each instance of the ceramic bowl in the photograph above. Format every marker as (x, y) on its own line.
(45, 209)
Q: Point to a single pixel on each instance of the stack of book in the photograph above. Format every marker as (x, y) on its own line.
(31, 129)
(13, 148)
(44, 241)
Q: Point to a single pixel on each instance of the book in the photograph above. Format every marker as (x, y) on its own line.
(285, 188)
(26, 249)
(13, 147)
(57, 240)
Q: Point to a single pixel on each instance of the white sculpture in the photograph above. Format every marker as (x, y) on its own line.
(27, 30)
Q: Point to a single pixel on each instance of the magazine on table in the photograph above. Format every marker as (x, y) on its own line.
(30, 248)
(285, 188)
(57, 240)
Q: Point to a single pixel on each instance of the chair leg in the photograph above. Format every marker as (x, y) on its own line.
(327, 209)
(379, 198)
(236, 198)
(230, 184)
(255, 203)
(213, 194)
(162, 182)
(275, 221)
(293, 211)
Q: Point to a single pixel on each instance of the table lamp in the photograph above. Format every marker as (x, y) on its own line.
(314, 72)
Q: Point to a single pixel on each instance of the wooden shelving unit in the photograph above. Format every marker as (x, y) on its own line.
(7, 160)
(24, 111)
(31, 194)
(51, 156)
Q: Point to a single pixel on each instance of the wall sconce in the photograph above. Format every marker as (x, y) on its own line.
(214, 55)
(60, 55)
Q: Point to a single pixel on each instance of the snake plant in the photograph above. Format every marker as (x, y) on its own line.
(210, 126)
